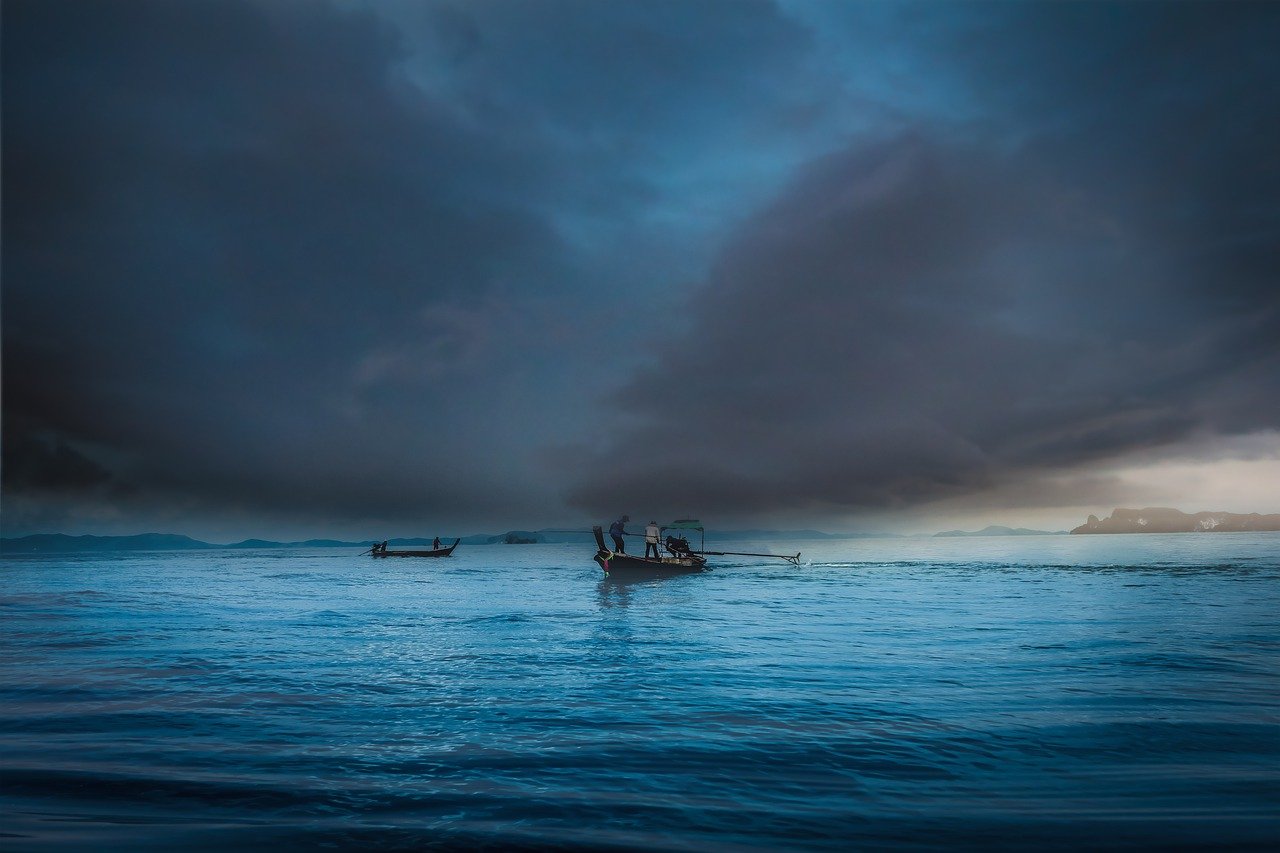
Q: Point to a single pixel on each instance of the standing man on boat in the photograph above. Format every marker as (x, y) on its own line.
(617, 530)
(651, 540)
(435, 546)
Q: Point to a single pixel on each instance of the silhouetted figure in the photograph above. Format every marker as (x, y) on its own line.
(382, 549)
(436, 544)
(617, 530)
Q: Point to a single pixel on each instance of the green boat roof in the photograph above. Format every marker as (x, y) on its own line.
(685, 524)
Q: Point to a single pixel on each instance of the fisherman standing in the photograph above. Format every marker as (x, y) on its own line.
(617, 530)
(651, 540)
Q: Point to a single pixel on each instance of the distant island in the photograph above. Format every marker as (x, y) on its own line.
(517, 537)
(60, 542)
(1165, 520)
(1000, 530)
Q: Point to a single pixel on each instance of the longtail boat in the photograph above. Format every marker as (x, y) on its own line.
(433, 552)
(681, 559)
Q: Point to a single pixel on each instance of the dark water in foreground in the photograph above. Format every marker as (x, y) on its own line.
(1022, 693)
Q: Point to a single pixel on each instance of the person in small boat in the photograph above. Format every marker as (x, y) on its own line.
(436, 544)
(382, 549)
(651, 541)
(617, 530)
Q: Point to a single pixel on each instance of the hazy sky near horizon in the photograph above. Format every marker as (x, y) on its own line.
(372, 268)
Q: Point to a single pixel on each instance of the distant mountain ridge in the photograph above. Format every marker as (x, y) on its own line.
(1166, 520)
(1151, 520)
(63, 543)
(140, 542)
(1000, 530)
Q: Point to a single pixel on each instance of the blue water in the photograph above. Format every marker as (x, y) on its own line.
(1033, 693)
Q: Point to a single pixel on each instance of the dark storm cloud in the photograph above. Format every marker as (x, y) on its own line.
(51, 465)
(323, 259)
(653, 107)
(369, 261)
(224, 222)
(621, 69)
(1086, 267)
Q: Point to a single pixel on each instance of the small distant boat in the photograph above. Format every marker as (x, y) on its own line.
(433, 552)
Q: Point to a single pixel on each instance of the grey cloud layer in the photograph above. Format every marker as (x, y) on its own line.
(373, 261)
(961, 309)
(334, 262)
(244, 257)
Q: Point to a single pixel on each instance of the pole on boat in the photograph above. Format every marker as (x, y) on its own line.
(795, 561)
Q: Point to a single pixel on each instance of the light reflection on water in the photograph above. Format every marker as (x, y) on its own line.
(1025, 692)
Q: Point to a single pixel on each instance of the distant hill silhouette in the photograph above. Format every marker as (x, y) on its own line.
(62, 543)
(1000, 530)
(1166, 520)
(142, 542)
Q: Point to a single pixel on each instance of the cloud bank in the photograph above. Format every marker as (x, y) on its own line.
(316, 268)
(960, 309)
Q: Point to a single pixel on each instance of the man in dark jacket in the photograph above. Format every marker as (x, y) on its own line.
(617, 530)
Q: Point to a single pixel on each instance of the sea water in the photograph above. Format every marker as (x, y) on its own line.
(1022, 692)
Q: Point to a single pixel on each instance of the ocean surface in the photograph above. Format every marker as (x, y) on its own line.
(1048, 692)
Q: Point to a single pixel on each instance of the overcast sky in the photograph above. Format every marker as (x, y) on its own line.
(356, 269)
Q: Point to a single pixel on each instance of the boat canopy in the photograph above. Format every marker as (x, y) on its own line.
(684, 524)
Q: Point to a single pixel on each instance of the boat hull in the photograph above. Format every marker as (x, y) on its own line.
(616, 564)
(434, 552)
(625, 565)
